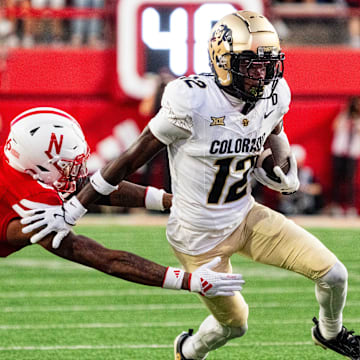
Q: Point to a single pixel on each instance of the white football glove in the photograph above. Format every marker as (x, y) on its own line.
(288, 184)
(210, 283)
(55, 218)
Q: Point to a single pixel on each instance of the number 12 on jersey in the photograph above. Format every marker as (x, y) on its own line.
(238, 189)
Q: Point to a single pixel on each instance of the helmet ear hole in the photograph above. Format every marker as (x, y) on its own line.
(41, 168)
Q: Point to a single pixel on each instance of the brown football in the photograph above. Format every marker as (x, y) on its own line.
(276, 153)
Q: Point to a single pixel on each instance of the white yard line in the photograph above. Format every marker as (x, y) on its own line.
(91, 308)
(143, 346)
(23, 327)
(33, 281)
(150, 292)
(42, 263)
(151, 307)
(93, 326)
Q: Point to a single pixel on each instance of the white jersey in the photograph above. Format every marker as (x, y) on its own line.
(212, 149)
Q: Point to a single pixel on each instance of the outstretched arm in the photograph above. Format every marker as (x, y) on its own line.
(47, 219)
(133, 195)
(128, 266)
(145, 147)
(85, 251)
(60, 218)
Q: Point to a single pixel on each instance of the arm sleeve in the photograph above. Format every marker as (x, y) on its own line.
(174, 120)
(284, 98)
(283, 136)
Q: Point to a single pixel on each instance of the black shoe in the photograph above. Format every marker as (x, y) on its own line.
(178, 343)
(345, 343)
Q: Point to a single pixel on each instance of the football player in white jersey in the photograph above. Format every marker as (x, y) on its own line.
(214, 127)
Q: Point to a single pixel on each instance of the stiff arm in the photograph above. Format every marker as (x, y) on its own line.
(143, 150)
(131, 267)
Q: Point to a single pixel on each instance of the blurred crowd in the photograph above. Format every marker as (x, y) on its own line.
(29, 23)
(318, 22)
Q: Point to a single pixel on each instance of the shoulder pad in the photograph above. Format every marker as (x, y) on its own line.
(175, 95)
(176, 105)
(181, 98)
(186, 92)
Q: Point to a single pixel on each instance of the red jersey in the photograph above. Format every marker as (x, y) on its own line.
(15, 186)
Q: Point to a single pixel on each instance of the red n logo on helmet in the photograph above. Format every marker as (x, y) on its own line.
(54, 142)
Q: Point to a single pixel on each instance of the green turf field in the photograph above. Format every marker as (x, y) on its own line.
(54, 309)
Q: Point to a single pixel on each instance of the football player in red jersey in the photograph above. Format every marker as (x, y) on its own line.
(45, 156)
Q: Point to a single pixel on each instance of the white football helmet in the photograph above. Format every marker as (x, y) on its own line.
(49, 145)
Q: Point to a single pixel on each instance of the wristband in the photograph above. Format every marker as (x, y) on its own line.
(154, 198)
(173, 278)
(101, 185)
(73, 210)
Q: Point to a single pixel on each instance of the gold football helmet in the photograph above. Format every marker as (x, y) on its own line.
(245, 55)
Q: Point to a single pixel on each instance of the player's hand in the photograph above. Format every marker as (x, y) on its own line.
(210, 283)
(288, 184)
(39, 215)
(167, 200)
(51, 218)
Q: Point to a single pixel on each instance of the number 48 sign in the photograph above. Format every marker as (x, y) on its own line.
(166, 33)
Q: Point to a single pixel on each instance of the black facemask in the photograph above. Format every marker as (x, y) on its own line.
(251, 73)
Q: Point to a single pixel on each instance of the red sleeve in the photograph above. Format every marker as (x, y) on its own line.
(15, 186)
(5, 248)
